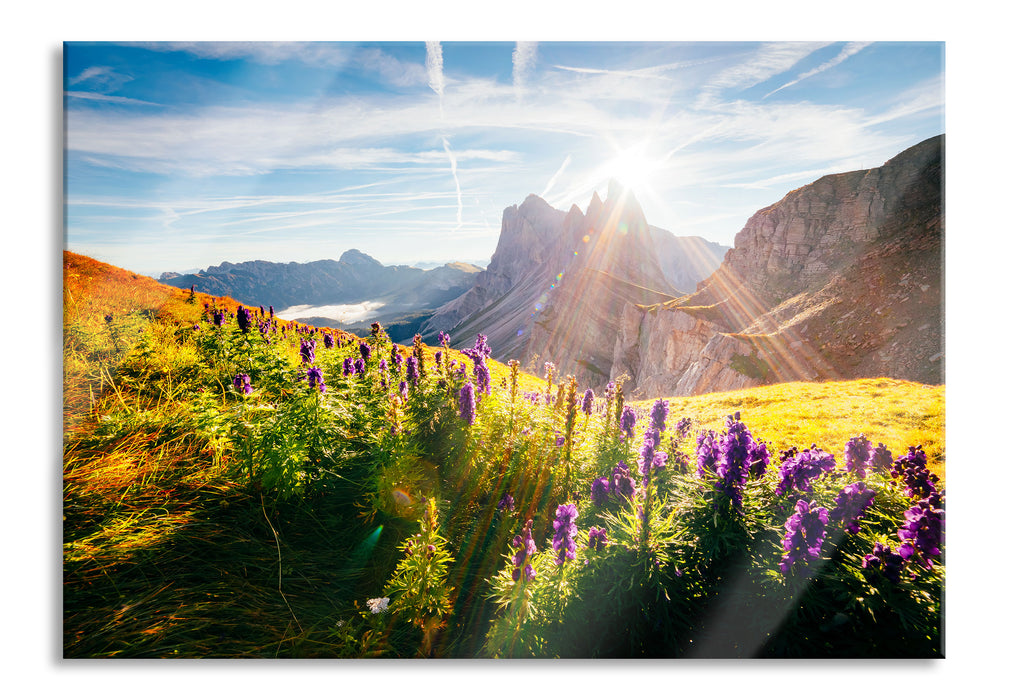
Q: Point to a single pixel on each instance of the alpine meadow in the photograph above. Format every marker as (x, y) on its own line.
(556, 432)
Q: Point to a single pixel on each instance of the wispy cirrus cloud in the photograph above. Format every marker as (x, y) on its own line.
(100, 79)
(556, 176)
(435, 68)
(390, 69)
(102, 97)
(523, 62)
(766, 62)
(847, 52)
(263, 52)
(455, 177)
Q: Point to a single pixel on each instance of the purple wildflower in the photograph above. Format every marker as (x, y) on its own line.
(804, 535)
(564, 532)
(244, 319)
(359, 366)
(707, 452)
(444, 339)
(597, 538)
(600, 491)
(627, 421)
(851, 503)
(683, 427)
(507, 502)
(525, 548)
(327, 340)
(760, 457)
(481, 345)
(733, 465)
(467, 403)
(243, 383)
(799, 470)
(622, 485)
(412, 371)
(271, 311)
(587, 402)
(482, 375)
(315, 379)
(396, 359)
(649, 459)
(882, 562)
(365, 351)
(880, 459)
(856, 455)
(924, 528)
(348, 367)
(919, 482)
(659, 412)
(307, 351)
(218, 317)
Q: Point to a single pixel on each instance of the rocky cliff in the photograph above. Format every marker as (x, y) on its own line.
(558, 282)
(842, 278)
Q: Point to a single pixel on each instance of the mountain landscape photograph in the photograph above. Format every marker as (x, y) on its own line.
(485, 350)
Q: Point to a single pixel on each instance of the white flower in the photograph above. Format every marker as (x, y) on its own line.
(377, 605)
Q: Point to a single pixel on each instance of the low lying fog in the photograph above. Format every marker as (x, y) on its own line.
(344, 313)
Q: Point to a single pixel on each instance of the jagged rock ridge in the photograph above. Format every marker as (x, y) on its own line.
(557, 283)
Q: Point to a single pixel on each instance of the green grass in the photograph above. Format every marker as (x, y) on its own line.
(202, 523)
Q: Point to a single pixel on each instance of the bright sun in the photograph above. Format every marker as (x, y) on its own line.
(634, 168)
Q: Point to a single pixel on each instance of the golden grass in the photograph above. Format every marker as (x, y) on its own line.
(897, 413)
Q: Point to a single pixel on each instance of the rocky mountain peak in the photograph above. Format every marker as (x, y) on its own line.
(356, 257)
(595, 208)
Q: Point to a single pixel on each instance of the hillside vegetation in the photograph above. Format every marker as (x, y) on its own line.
(239, 486)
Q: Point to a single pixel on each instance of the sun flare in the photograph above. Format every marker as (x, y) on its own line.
(636, 167)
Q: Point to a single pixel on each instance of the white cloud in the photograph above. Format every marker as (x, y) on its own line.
(847, 52)
(100, 97)
(390, 69)
(926, 96)
(768, 61)
(523, 61)
(101, 78)
(556, 176)
(435, 74)
(455, 177)
(263, 52)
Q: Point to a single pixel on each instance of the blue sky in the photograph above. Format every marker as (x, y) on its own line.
(183, 155)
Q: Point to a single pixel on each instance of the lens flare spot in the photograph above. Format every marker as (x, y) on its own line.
(585, 239)
(401, 497)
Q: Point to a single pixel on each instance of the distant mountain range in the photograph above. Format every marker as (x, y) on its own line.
(412, 299)
(407, 294)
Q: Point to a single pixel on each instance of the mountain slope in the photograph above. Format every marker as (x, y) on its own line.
(557, 283)
(840, 279)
